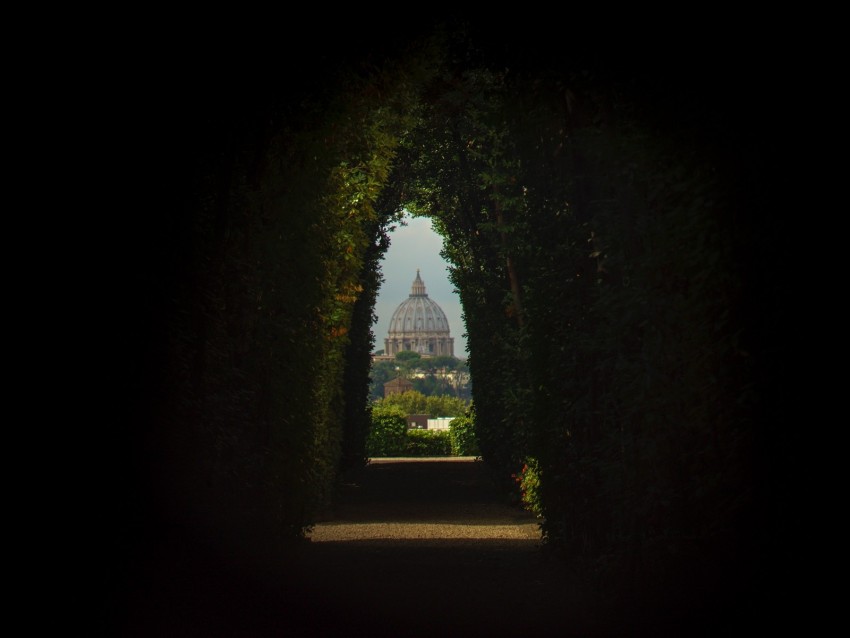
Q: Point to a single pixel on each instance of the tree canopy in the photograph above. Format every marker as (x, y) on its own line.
(413, 402)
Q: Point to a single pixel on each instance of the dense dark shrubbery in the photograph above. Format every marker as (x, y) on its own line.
(272, 242)
(614, 279)
(602, 249)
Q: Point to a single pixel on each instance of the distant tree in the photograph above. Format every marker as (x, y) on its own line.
(428, 385)
(406, 362)
(382, 371)
(440, 368)
(444, 361)
(414, 402)
(446, 405)
(410, 402)
(406, 356)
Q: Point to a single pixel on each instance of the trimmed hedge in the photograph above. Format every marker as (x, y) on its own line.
(428, 443)
(462, 437)
(387, 436)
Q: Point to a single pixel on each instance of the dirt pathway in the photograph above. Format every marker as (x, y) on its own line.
(414, 548)
(425, 547)
(407, 499)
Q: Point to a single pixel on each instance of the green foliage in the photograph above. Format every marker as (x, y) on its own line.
(413, 402)
(410, 402)
(462, 436)
(380, 373)
(426, 386)
(444, 361)
(388, 434)
(445, 405)
(428, 443)
(406, 362)
(408, 357)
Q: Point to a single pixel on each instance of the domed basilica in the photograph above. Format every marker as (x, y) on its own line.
(420, 325)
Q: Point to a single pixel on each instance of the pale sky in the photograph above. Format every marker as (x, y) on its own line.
(417, 246)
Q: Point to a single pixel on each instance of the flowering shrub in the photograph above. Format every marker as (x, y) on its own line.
(528, 480)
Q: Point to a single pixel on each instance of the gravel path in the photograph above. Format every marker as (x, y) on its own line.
(414, 548)
(425, 547)
(428, 498)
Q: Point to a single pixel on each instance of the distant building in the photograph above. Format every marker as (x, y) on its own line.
(439, 423)
(417, 421)
(427, 422)
(397, 386)
(420, 325)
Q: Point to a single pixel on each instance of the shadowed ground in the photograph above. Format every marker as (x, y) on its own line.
(414, 547)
